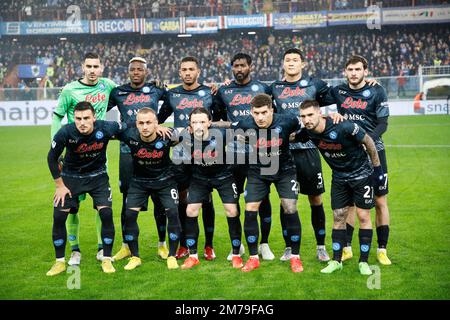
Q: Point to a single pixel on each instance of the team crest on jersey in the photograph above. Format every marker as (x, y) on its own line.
(159, 145)
(145, 89)
(202, 93)
(304, 83)
(366, 93)
(99, 135)
(278, 129)
(254, 87)
(102, 86)
(333, 135)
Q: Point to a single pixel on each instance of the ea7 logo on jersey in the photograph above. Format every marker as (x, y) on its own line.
(355, 129)
(342, 92)
(229, 91)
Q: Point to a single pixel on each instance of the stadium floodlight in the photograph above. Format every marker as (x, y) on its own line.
(184, 35)
(63, 38)
(251, 32)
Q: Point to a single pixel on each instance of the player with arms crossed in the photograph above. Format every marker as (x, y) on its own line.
(367, 106)
(96, 90)
(129, 99)
(341, 145)
(84, 171)
(152, 176)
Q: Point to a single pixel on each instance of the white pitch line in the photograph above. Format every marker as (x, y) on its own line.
(418, 145)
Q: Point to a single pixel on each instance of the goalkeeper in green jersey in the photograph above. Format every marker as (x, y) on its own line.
(96, 90)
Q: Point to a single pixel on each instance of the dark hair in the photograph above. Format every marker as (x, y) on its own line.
(91, 55)
(241, 55)
(355, 59)
(190, 59)
(200, 110)
(84, 105)
(295, 51)
(261, 100)
(309, 103)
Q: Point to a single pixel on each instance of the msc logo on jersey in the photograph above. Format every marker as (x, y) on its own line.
(366, 93)
(99, 135)
(333, 135)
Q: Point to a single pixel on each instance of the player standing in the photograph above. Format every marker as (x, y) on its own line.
(288, 94)
(234, 102)
(84, 171)
(152, 176)
(181, 101)
(341, 145)
(96, 90)
(207, 148)
(367, 106)
(129, 99)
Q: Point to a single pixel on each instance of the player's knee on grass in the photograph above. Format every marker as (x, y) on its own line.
(289, 205)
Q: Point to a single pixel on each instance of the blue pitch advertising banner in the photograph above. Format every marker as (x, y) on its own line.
(45, 27)
(31, 70)
(115, 26)
(299, 20)
(160, 26)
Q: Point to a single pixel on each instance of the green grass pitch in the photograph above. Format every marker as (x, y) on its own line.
(419, 245)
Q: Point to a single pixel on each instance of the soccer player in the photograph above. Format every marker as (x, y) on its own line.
(96, 90)
(342, 147)
(288, 94)
(181, 101)
(367, 106)
(268, 138)
(129, 99)
(152, 176)
(207, 148)
(84, 171)
(234, 102)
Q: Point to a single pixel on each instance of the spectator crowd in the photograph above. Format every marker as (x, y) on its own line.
(39, 10)
(391, 51)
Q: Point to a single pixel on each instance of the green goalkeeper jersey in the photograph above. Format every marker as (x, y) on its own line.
(76, 91)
